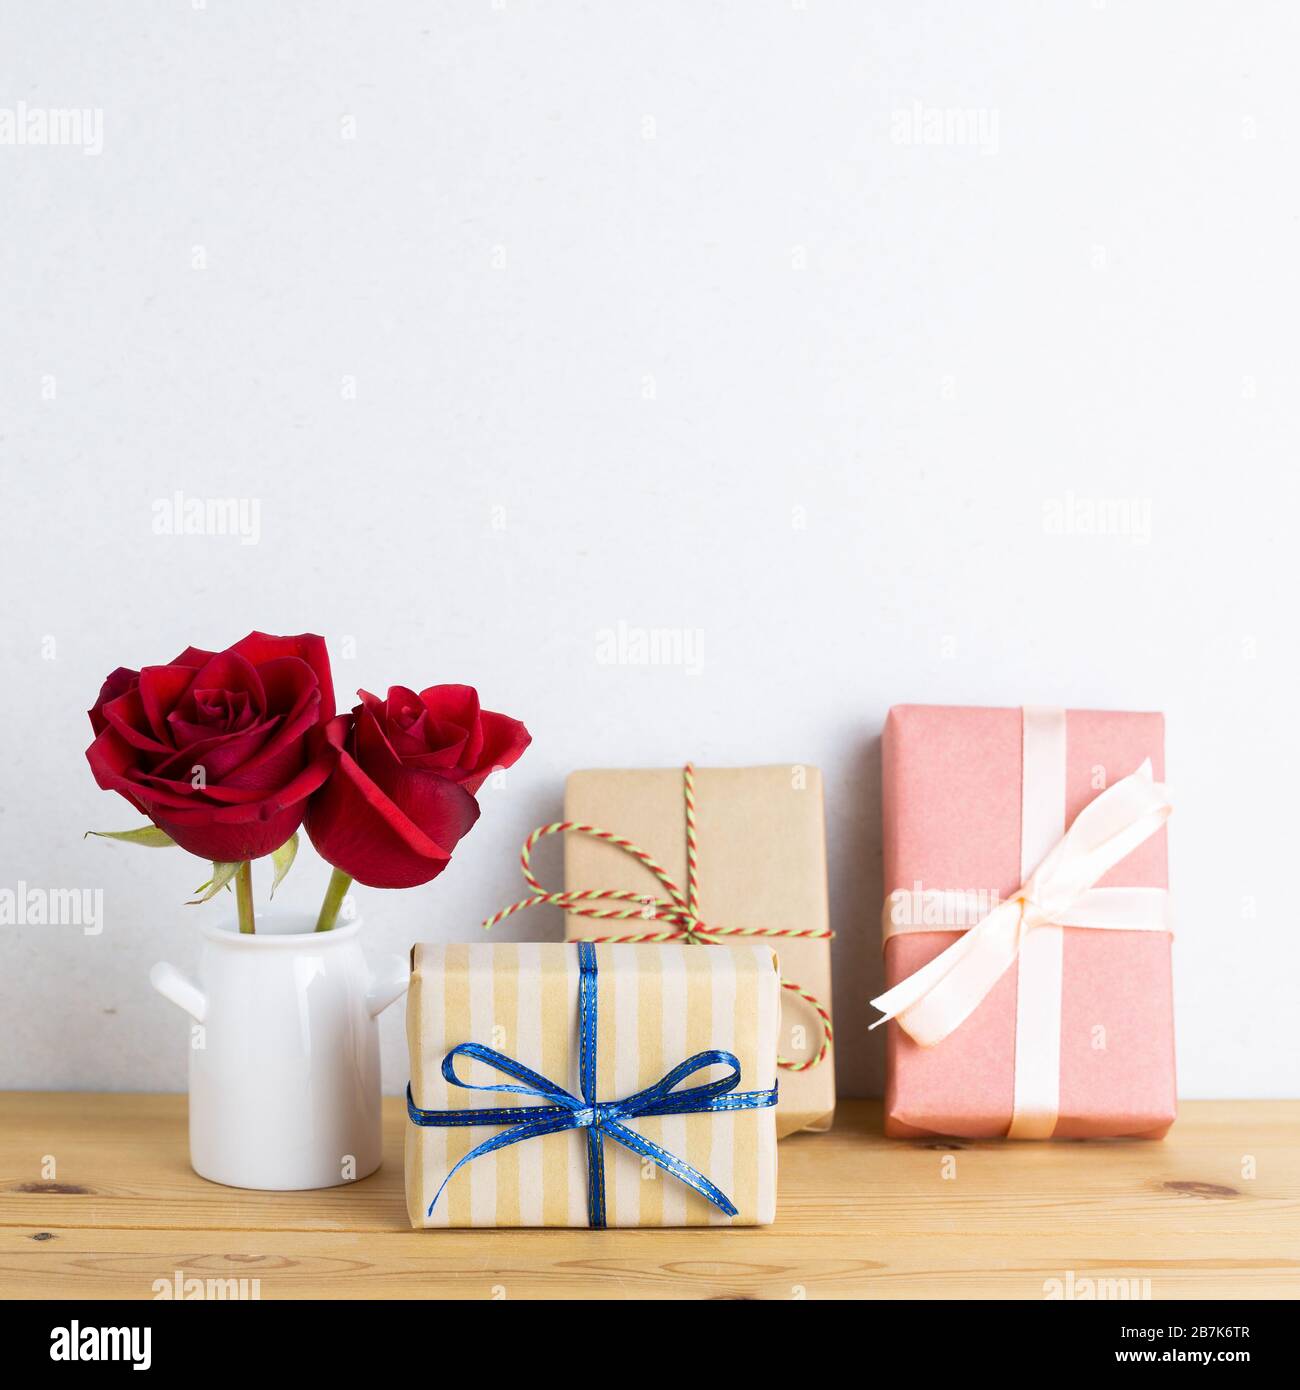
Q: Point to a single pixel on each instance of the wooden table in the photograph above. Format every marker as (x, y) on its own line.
(1212, 1212)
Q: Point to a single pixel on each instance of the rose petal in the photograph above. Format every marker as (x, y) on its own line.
(504, 741)
(160, 688)
(220, 755)
(227, 840)
(276, 757)
(458, 705)
(127, 716)
(359, 829)
(418, 793)
(445, 744)
(227, 671)
(404, 720)
(116, 684)
(110, 761)
(261, 647)
(193, 656)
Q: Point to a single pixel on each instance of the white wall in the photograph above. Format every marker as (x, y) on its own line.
(655, 316)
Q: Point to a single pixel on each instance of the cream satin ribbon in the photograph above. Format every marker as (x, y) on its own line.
(1059, 868)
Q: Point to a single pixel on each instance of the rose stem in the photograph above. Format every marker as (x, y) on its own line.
(334, 895)
(244, 895)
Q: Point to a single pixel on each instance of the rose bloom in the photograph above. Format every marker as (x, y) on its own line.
(219, 749)
(402, 793)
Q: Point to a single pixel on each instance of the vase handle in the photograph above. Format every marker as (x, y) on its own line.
(171, 984)
(388, 983)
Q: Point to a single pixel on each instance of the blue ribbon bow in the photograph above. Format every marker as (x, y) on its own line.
(600, 1118)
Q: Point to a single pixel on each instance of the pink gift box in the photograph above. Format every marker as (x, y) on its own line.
(952, 820)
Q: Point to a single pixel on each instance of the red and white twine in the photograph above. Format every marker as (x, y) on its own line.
(679, 911)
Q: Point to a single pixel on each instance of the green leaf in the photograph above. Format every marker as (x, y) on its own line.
(283, 859)
(148, 835)
(222, 874)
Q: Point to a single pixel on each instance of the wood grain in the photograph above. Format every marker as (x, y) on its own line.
(860, 1217)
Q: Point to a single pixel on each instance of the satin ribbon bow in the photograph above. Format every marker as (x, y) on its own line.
(602, 1119)
(939, 997)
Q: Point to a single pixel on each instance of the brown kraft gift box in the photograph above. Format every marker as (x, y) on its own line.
(761, 849)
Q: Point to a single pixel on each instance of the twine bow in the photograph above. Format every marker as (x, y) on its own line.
(679, 910)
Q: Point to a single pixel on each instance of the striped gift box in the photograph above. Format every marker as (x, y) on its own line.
(658, 1005)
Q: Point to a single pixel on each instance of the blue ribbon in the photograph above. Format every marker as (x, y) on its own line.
(600, 1118)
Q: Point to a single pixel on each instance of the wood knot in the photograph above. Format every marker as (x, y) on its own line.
(1201, 1189)
(66, 1189)
(43, 1235)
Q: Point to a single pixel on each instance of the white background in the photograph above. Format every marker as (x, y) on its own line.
(655, 316)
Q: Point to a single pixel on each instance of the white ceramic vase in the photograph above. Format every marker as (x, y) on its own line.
(284, 1052)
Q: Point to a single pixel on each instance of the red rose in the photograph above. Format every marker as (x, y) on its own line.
(443, 728)
(401, 795)
(241, 724)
